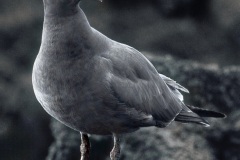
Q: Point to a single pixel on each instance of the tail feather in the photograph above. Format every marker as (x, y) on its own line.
(190, 114)
(206, 113)
(191, 117)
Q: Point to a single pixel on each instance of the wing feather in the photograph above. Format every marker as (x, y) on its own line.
(135, 82)
(173, 83)
(174, 87)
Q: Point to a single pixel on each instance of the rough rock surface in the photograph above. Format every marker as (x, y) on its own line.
(210, 86)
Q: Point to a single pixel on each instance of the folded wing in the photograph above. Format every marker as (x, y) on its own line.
(135, 82)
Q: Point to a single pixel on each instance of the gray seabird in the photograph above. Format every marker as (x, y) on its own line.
(95, 85)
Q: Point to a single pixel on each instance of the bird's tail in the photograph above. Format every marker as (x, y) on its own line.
(206, 113)
(190, 114)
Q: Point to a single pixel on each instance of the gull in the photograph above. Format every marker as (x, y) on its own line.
(96, 85)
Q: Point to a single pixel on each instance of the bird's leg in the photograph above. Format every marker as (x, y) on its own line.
(85, 147)
(115, 153)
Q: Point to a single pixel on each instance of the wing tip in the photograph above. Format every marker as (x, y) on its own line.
(186, 90)
(222, 115)
(205, 124)
(180, 87)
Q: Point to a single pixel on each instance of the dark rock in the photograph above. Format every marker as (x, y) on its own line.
(67, 141)
(171, 143)
(183, 8)
(234, 34)
(24, 131)
(125, 4)
(168, 8)
(67, 144)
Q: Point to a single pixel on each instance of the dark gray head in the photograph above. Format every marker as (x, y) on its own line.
(60, 7)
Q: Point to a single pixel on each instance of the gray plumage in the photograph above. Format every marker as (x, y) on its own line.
(96, 85)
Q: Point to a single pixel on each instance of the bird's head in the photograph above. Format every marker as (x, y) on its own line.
(60, 7)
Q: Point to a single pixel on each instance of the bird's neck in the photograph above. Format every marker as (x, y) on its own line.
(61, 32)
(77, 17)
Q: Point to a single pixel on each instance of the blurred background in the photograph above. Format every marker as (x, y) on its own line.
(202, 31)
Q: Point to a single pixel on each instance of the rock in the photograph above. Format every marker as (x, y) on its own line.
(67, 144)
(171, 143)
(66, 141)
(168, 8)
(210, 87)
(24, 132)
(183, 8)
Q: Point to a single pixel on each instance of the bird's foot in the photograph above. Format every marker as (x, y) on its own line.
(85, 147)
(83, 150)
(115, 153)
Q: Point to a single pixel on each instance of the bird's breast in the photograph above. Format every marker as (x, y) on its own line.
(60, 87)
